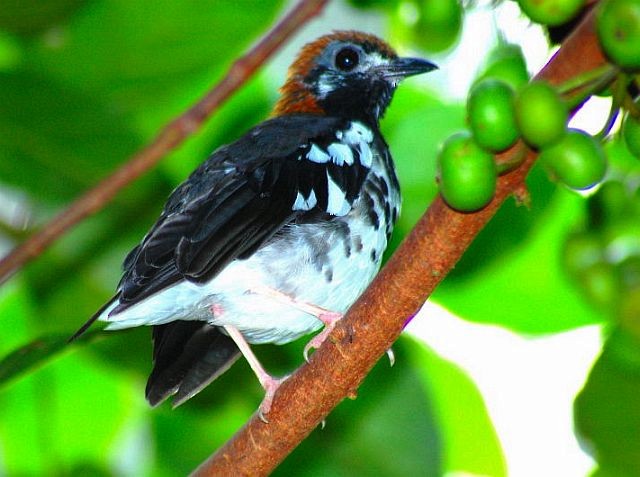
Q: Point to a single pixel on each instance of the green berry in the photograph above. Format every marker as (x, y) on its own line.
(490, 114)
(541, 114)
(577, 160)
(581, 251)
(439, 24)
(631, 134)
(506, 62)
(618, 28)
(630, 271)
(601, 284)
(551, 12)
(610, 204)
(467, 173)
(432, 25)
(622, 239)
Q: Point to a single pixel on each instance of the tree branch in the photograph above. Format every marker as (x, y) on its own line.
(170, 137)
(376, 320)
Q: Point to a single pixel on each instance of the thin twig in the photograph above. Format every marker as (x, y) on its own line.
(378, 317)
(171, 136)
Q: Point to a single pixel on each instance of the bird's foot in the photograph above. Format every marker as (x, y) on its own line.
(270, 385)
(329, 318)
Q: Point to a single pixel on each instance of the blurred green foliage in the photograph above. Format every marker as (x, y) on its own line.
(83, 85)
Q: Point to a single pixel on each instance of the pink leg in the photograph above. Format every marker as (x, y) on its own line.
(268, 382)
(329, 318)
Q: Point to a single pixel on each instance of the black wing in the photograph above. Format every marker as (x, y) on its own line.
(238, 199)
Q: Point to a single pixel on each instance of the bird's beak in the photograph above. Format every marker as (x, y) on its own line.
(400, 68)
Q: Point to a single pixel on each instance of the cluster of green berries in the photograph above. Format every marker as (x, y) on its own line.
(617, 24)
(503, 107)
(603, 257)
(430, 25)
(498, 114)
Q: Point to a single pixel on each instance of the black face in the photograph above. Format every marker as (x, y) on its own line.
(349, 80)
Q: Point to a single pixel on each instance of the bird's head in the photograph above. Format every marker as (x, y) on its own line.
(346, 74)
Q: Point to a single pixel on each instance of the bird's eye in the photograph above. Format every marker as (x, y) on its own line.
(347, 59)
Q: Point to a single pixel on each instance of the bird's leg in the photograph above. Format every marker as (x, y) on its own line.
(268, 382)
(329, 318)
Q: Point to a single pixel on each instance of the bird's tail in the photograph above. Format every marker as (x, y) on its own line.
(91, 320)
(187, 356)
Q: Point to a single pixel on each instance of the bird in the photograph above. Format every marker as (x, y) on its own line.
(275, 235)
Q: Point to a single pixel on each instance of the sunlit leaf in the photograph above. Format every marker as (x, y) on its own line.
(54, 141)
(607, 410)
(461, 416)
(393, 415)
(29, 17)
(526, 289)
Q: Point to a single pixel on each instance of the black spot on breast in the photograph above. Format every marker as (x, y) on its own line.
(344, 232)
(387, 212)
(328, 275)
(377, 187)
(374, 255)
(374, 220)
(357, 243)
(372, 215)
(384, 187)
(320, 248)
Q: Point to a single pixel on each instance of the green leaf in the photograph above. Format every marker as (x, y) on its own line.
(525, 289)
(29, 17)
(389, 430)
(55, 417)
(27, 357)
(607, 413)
(55, 142)
(15, 308)
(507, 229)
(461, 415)
(64, 415)
(152, 57)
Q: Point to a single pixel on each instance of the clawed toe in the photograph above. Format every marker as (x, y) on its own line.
(316, 342)
(270, 386)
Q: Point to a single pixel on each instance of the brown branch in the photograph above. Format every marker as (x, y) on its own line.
(170, 137)
(378, 317)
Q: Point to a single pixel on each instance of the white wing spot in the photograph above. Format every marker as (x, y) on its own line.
(357, 133)
(336, 202)
(341, 154)
(305, 204)
(366, 157)
(316, 154)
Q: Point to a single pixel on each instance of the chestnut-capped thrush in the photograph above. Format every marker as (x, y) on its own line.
(276, 234)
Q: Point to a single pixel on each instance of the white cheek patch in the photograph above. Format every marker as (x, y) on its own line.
(303, 203)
